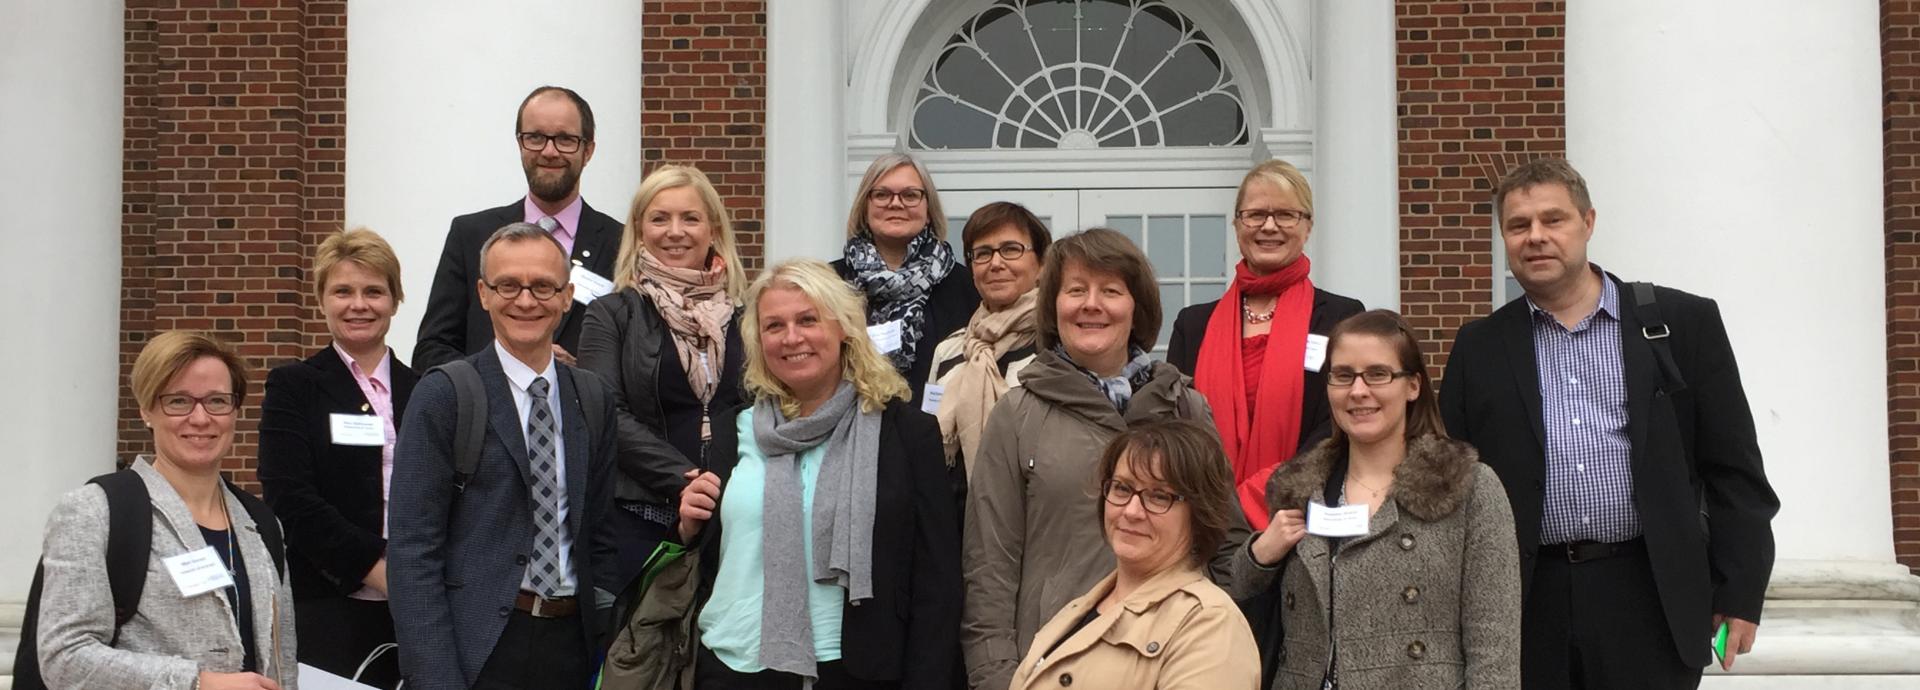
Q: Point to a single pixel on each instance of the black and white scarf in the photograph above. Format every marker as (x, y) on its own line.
(900, 295)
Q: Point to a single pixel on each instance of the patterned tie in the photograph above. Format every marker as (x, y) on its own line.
(548, 223)
(544, 572)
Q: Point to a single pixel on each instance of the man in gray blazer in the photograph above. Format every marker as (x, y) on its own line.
(492, 574)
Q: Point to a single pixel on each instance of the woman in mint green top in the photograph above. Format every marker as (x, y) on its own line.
(839, 561)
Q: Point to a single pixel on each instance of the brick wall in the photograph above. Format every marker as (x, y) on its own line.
(1900, 74)
(234, 168)
(704, 102)
(1482, 88)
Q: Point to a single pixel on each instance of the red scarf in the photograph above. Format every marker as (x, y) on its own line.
(1259, 439)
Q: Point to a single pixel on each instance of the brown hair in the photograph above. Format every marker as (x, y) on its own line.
(1423, 412)
(1193, 464)
(1543, 171)
(168, 353)
(990, 217)
(360, 246)
(1107, 251)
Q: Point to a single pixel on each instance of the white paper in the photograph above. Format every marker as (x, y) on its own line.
(589, 286)
(1344, 521)
(930, 401)
(315, 679)
(198, 572)
(1316, 351)
(885, 337)
(357, 429)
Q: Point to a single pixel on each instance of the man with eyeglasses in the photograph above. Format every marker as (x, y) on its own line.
(1614, 415)
(554, 132)
(493, 572)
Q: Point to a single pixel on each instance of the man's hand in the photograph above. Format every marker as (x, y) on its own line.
(377, 576)
(1740, 634)
(565, 357)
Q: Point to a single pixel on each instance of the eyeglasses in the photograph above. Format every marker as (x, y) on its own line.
(1008, 251)
(536, 141)
(181, 404)
(909, 197)
(1283, 218)
(1378, 376)
(511, 291)
(1154, 500)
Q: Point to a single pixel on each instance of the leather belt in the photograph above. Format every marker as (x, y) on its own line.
(1583, 551)
(539, 607)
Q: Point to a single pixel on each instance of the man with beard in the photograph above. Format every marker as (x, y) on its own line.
(554, 130)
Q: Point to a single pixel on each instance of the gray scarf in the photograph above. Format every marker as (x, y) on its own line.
(843, 509)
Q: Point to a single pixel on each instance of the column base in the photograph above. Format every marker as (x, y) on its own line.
(1832, 624)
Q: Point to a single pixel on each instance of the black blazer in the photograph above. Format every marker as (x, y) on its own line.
(948, 309)
(328, 496)
(455, 326)
(1704, 502)
(910, 631)
(1316, 419)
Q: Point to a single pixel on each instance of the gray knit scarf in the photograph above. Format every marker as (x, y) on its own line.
(843, 509)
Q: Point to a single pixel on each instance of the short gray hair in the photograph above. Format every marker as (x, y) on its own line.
(513, 233)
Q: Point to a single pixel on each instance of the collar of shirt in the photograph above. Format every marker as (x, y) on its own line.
(1609, 302)
(569, 217)
(521, 375)
(382, 372)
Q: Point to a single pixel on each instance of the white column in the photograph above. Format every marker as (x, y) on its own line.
(806, 133)
(1356, 241)
(60, 89)
(1733, 150)
(432, 91)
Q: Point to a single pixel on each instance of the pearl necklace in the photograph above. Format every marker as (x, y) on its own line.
(1251, 317)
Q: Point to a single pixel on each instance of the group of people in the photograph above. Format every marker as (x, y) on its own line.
(617, 460)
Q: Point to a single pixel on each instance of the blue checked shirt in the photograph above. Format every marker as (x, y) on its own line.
(1583, 406)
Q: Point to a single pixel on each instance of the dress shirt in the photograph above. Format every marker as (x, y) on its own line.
(378, 388)
(519, 377)
(569, 218)
(1583, 407)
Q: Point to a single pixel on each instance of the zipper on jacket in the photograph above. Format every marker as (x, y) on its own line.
(1330, 676)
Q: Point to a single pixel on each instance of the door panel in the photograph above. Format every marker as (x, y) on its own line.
(1185, 233)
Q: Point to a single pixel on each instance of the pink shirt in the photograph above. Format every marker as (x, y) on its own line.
(379, 391)
(569, 218)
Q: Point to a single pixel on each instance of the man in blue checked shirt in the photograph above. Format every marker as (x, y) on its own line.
(1613, 413)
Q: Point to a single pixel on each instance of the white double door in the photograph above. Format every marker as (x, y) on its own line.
(1186, 234)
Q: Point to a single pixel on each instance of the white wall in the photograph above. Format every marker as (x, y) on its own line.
(1733, 150)
(1356, 183)
(432, 94)
(806, 195)
(60, 74)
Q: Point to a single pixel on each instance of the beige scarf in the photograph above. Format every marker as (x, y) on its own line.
(695, 305)
(974, 385)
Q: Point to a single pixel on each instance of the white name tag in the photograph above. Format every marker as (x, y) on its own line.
(198, 572)
(357, 429)
(1344, 521)
(885, 337)
(930, 401)
(1316, 352)
(588, 286)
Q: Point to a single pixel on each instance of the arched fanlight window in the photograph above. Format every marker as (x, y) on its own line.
(1078, 74)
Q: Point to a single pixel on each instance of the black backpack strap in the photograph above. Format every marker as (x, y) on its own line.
(470, 422)
(1654, 328)
(268, 525)
(129, 540)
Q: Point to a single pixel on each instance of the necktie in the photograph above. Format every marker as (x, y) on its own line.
(544, 571)
(548, 223)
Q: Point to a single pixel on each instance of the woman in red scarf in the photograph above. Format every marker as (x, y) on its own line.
(1270, 314)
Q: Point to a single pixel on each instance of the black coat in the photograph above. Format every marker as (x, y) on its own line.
(910, 631)
(948, 309)
(328, 497)
(1704, 502)
(1316, 418)
(455, 326)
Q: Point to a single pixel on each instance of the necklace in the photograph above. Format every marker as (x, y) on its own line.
(1377, 492)
(1251, 317)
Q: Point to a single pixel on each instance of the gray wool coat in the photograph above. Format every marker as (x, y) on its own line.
(170, 638)
(1429, 598)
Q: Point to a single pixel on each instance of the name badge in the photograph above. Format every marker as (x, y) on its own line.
(198, 572)
(588, 286)
(357, 429)
(885, 337)
(930, 401)
(1344, 521)
(1316, 352)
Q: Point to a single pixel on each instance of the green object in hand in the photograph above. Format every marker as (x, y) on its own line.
(1720, 643)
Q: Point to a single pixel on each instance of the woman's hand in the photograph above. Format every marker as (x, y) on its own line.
(235, 681)
(377, 576)
(1286, 530)
(698, 502)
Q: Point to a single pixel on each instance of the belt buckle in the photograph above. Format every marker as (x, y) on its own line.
(537, 610)
(1599, 550)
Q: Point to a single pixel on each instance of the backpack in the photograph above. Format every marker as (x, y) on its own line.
(129, 547)
(470, 422)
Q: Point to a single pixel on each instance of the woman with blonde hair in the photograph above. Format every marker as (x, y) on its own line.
(668, 343)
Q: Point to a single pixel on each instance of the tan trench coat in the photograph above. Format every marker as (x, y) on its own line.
(1178, 631)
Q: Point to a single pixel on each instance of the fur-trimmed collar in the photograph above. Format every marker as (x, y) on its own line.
(1431, 483)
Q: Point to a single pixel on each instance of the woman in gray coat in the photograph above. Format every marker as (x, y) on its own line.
(1421, 588)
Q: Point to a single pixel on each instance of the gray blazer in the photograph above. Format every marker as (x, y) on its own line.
(170, 638)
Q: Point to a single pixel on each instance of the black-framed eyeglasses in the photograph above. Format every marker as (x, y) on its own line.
(909, 197)
(1155, 501)
(181, 404)
(536, 141)
(1378, 376)
(511, 290)
(1283, 218)
(1008, 251)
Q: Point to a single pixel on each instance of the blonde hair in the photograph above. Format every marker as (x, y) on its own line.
(360, 246)
(872, 374)
(886, 163)
(1280, 174)
(170, 352)
(627, 268)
